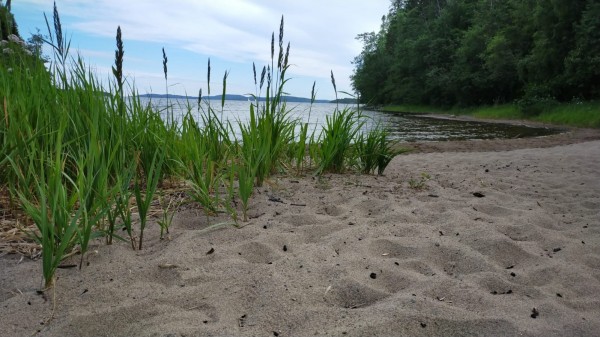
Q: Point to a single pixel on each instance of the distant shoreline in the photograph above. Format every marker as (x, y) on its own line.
(235, 97)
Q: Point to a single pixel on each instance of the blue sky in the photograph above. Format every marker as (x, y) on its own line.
(233, 33)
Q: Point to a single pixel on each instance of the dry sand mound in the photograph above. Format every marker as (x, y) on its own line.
(493, 244)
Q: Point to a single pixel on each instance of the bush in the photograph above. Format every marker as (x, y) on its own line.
(536, 105)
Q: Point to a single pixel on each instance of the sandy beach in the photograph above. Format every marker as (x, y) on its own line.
(475, 238)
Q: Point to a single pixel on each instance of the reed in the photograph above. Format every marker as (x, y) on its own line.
(375, 150)
(271, 128)
(78, 156)
(48, 205)
(204, 153)
(336, 139)
(246, 173)
(169, 207)
(117, 208)
(143, 197)
(337, 136)
(299, 148)
(122, 204)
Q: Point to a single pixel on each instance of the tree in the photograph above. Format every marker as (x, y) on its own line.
(471, 52)
(8, 24)
(583, 62)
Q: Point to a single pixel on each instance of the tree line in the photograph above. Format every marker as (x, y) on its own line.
(478, 52)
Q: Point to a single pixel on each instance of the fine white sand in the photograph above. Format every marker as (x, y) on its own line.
(353, 255)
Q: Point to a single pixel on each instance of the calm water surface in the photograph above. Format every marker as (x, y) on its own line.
(403, 127)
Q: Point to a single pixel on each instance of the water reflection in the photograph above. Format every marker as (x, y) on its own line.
(409, 127)
(402, 126)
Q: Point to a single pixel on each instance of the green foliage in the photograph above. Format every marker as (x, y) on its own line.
(202, 157)
(169, 206)
(420, 183)
(150, 176)
(582, 66)
(465, 52)
(246, 174)
(575, 113)
(77, 155)
(338, 133)
(8, 25)
(375, 150)
(49, 201)
(531, 106)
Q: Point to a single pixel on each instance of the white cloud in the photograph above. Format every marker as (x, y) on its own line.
(321, 32)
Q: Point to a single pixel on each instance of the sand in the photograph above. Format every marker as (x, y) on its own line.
(504, 242)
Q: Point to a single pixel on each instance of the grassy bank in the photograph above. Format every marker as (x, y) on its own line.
(579, 114)
(80, 160)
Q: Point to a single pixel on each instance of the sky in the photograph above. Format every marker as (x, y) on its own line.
(232, 33)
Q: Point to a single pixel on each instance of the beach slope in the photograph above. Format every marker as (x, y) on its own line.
(497, 243)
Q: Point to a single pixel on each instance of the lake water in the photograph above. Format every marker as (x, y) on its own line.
(402, 126)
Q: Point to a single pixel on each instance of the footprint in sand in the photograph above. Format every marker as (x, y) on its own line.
(455, 261)
(416, 266)
(297, 221)
(372, 207)
(350, 294)
(392, 249)
(502, 250)
(521, 233)
(332, 210)
(256, 252)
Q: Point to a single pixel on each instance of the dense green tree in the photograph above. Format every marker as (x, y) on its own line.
(373, 64)
(8, 25)
(583, 62)
(553, 39)
(465, 52)
(13, 47)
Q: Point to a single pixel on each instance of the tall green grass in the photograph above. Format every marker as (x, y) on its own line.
(81, 158)
(581, 114)
(343, 144)
(375, 151)
(143, 196)
(49, 201)
(575, 113)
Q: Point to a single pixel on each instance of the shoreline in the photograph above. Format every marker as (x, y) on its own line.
(570, 135)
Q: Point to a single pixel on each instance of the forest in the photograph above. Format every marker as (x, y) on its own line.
(461, 53)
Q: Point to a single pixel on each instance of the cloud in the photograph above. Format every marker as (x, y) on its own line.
(321, 32)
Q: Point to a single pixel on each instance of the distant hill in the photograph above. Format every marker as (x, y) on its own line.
(233, 97)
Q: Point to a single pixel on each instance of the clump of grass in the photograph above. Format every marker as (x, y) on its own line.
(336, 139)
(118, 209)
(343, 143)
(420, 183)
(169, 206)
(576, 113)
(77, 159)
(503, 111)
(204, 154)
(271, 127)
(337, 136)
(150, 176)
(375, 150)
(299, 148)
(246, 174)
(51, 207)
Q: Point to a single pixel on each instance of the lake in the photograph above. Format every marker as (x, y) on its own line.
(402, 126)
